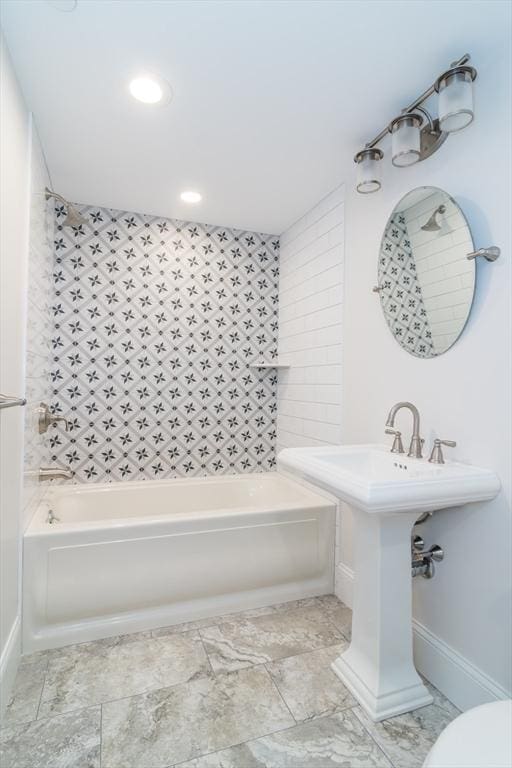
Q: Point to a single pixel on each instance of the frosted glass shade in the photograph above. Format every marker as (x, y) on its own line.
(368, 170)
(405, 140)
(455, 101)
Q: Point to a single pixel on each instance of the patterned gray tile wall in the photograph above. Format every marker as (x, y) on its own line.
(156, 323)
(400, 295)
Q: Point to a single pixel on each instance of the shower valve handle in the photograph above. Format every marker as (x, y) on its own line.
(47, 418)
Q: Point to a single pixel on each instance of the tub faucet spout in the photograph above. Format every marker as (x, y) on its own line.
(416, 441)
(52, 473)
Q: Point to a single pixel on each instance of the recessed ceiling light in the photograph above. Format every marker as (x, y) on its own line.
(150, 89)
(191, 197)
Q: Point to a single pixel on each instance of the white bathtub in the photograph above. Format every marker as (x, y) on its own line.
(125, 557)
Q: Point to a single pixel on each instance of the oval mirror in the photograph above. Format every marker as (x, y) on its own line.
(426, 281)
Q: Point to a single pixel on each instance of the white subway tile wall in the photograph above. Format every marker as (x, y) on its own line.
(310, 324)
(446, 276)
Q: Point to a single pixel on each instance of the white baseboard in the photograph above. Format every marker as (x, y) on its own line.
(454, 675)
(9, 662)
(344, 584)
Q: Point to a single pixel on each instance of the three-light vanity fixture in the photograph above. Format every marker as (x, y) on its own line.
(415, 135)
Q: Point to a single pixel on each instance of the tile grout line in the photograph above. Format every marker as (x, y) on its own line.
(324, 269)
(275, 614)
(309, 243)
(238, 744)
(101, 735)
(325, 608)
(272, 733)
(186, 682)
(280, 658)
(279, 692)
(315, 311)
(42, 690)
(287, 336)
(198, 632)
(280, 730)
(101, 703)
(206, 653)
(326, 611)
(384, 752)
(352, 708)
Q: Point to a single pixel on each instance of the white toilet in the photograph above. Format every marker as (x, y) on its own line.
(479, 738)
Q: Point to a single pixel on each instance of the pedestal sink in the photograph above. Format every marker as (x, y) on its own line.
(387, 492)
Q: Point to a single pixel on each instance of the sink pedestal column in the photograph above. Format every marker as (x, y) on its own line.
(378, 666)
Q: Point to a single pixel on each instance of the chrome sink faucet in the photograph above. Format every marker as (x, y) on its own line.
(416, 441)
(436, 457)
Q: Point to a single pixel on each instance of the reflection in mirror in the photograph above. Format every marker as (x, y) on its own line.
(426, 282)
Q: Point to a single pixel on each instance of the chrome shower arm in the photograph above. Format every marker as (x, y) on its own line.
(48, 193)
(73, 217)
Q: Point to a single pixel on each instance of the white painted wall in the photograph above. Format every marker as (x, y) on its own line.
(14, 207)
(26, 258)
(465, 394)
(310, 319)
(39, 328)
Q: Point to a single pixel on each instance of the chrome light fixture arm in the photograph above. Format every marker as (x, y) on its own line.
(413, 106)
(415, 133)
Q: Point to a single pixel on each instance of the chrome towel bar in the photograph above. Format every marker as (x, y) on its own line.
(489, 254)
(9, 402)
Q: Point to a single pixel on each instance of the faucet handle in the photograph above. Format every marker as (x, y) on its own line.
(436, 457)
(397, 446)
(55, 419)
(47, 418)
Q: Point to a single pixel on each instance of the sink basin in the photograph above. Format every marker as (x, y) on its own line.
(387, 493)
(376, 480)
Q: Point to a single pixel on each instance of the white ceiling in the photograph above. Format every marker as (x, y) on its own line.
(271, 99)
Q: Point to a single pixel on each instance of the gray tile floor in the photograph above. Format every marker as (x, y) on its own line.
(248, 690)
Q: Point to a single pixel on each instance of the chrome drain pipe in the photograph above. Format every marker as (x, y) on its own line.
(422, 562)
